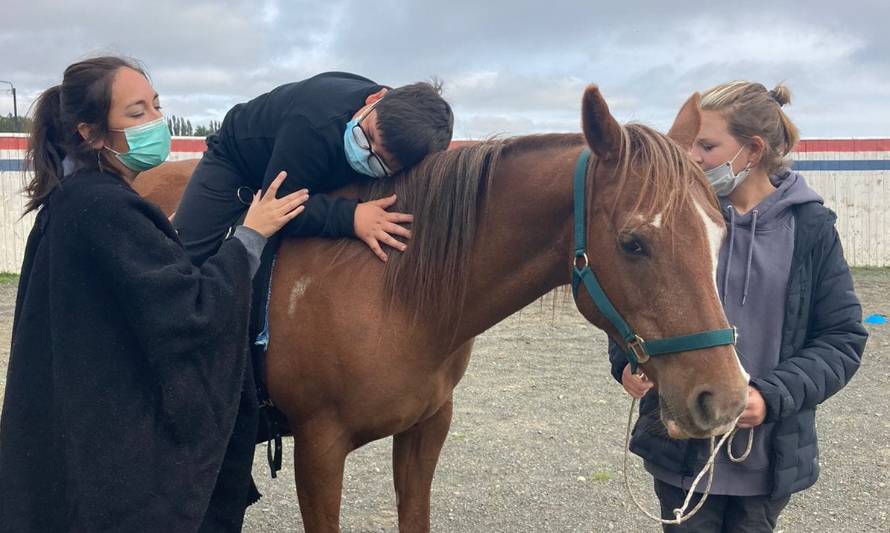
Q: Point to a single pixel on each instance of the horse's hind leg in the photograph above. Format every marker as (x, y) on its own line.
(415, 454)
(320, 451)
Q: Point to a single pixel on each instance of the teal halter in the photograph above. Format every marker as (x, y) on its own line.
(638, 350)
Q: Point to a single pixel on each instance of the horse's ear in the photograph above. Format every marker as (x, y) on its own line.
(687, 123)
(602, 131)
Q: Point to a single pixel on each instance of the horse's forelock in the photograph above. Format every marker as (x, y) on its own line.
(666, 177)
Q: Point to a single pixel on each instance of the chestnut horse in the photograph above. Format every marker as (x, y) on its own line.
(361, 350)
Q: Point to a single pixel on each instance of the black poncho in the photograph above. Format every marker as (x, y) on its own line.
(126, 407)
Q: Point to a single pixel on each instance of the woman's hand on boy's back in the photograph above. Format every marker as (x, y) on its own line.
(268, 214)
(374, 225)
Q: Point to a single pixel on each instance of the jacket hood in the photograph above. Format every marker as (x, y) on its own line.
(791, 190)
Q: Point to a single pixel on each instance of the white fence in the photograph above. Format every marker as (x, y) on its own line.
(851, 174)
(14, 228)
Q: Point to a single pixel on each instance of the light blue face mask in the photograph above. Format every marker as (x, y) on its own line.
(149, 145)
(358, 150)
(723, 180)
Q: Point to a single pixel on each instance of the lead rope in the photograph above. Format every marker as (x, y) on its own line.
(679, 517)
(747, 451)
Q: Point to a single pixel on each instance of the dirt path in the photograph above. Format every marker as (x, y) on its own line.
(538, 432)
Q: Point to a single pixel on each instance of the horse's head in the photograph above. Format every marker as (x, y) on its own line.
(654, 232)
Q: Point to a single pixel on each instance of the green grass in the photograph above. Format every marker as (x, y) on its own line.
(8, 278)
(876, 270)
(601, 476)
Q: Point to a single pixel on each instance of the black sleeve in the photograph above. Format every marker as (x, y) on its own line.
(308, 159)
(617, 359)
(834, 345)
(175, 309)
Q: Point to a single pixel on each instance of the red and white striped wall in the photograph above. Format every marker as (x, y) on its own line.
(851, 174)
(833, 155)
(14, 145)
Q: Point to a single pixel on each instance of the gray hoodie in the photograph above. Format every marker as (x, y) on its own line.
(752, 279)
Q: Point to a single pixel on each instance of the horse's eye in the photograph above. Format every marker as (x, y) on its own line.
(633, 245)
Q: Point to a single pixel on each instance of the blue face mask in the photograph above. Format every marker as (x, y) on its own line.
(723, 179)
(358, 150)
(149, 145)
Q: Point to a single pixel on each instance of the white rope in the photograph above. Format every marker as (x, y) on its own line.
(679, 517)
(747, 451)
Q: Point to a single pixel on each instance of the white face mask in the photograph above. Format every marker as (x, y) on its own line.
(722, 178)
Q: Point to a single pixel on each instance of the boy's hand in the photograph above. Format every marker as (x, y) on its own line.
(373, 224)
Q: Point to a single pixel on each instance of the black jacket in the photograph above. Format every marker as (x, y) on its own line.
(822, 342)
(298, 128)
(125, 387)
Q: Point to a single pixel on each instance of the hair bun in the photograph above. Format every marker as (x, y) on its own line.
(781, 94)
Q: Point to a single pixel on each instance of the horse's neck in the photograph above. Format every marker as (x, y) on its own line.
(523, 248)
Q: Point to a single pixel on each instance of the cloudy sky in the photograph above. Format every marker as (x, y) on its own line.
(509, 66)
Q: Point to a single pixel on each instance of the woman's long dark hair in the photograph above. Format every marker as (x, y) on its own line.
(84, 96)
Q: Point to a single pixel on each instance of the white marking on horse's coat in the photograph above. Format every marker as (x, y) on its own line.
(715, 233)
(297, 292)
(656, 221)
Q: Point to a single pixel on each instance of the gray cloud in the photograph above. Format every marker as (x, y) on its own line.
(510, 67)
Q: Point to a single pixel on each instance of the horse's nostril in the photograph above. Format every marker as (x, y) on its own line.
(705, 407)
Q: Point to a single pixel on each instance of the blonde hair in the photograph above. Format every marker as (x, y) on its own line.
(750, 110)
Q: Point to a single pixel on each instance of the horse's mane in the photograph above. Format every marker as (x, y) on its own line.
(446, 193)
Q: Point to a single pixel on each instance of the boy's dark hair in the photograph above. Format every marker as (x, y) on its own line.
(414, 120)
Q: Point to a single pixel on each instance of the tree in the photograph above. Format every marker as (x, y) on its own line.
(178, 126)
(7, 124)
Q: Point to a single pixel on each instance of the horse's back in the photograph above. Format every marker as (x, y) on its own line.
(324, 286)
(334, 344)
(164, 184)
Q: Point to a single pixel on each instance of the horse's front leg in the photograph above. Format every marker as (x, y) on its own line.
(415, 454)
(320, 450)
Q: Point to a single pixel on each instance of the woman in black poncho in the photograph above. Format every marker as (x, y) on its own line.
(129, 402)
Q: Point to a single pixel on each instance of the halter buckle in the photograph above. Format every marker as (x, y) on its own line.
(636, 345)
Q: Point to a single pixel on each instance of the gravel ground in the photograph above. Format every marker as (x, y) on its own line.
(536, 442)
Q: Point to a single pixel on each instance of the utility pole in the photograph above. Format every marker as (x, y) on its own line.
(15, 107)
